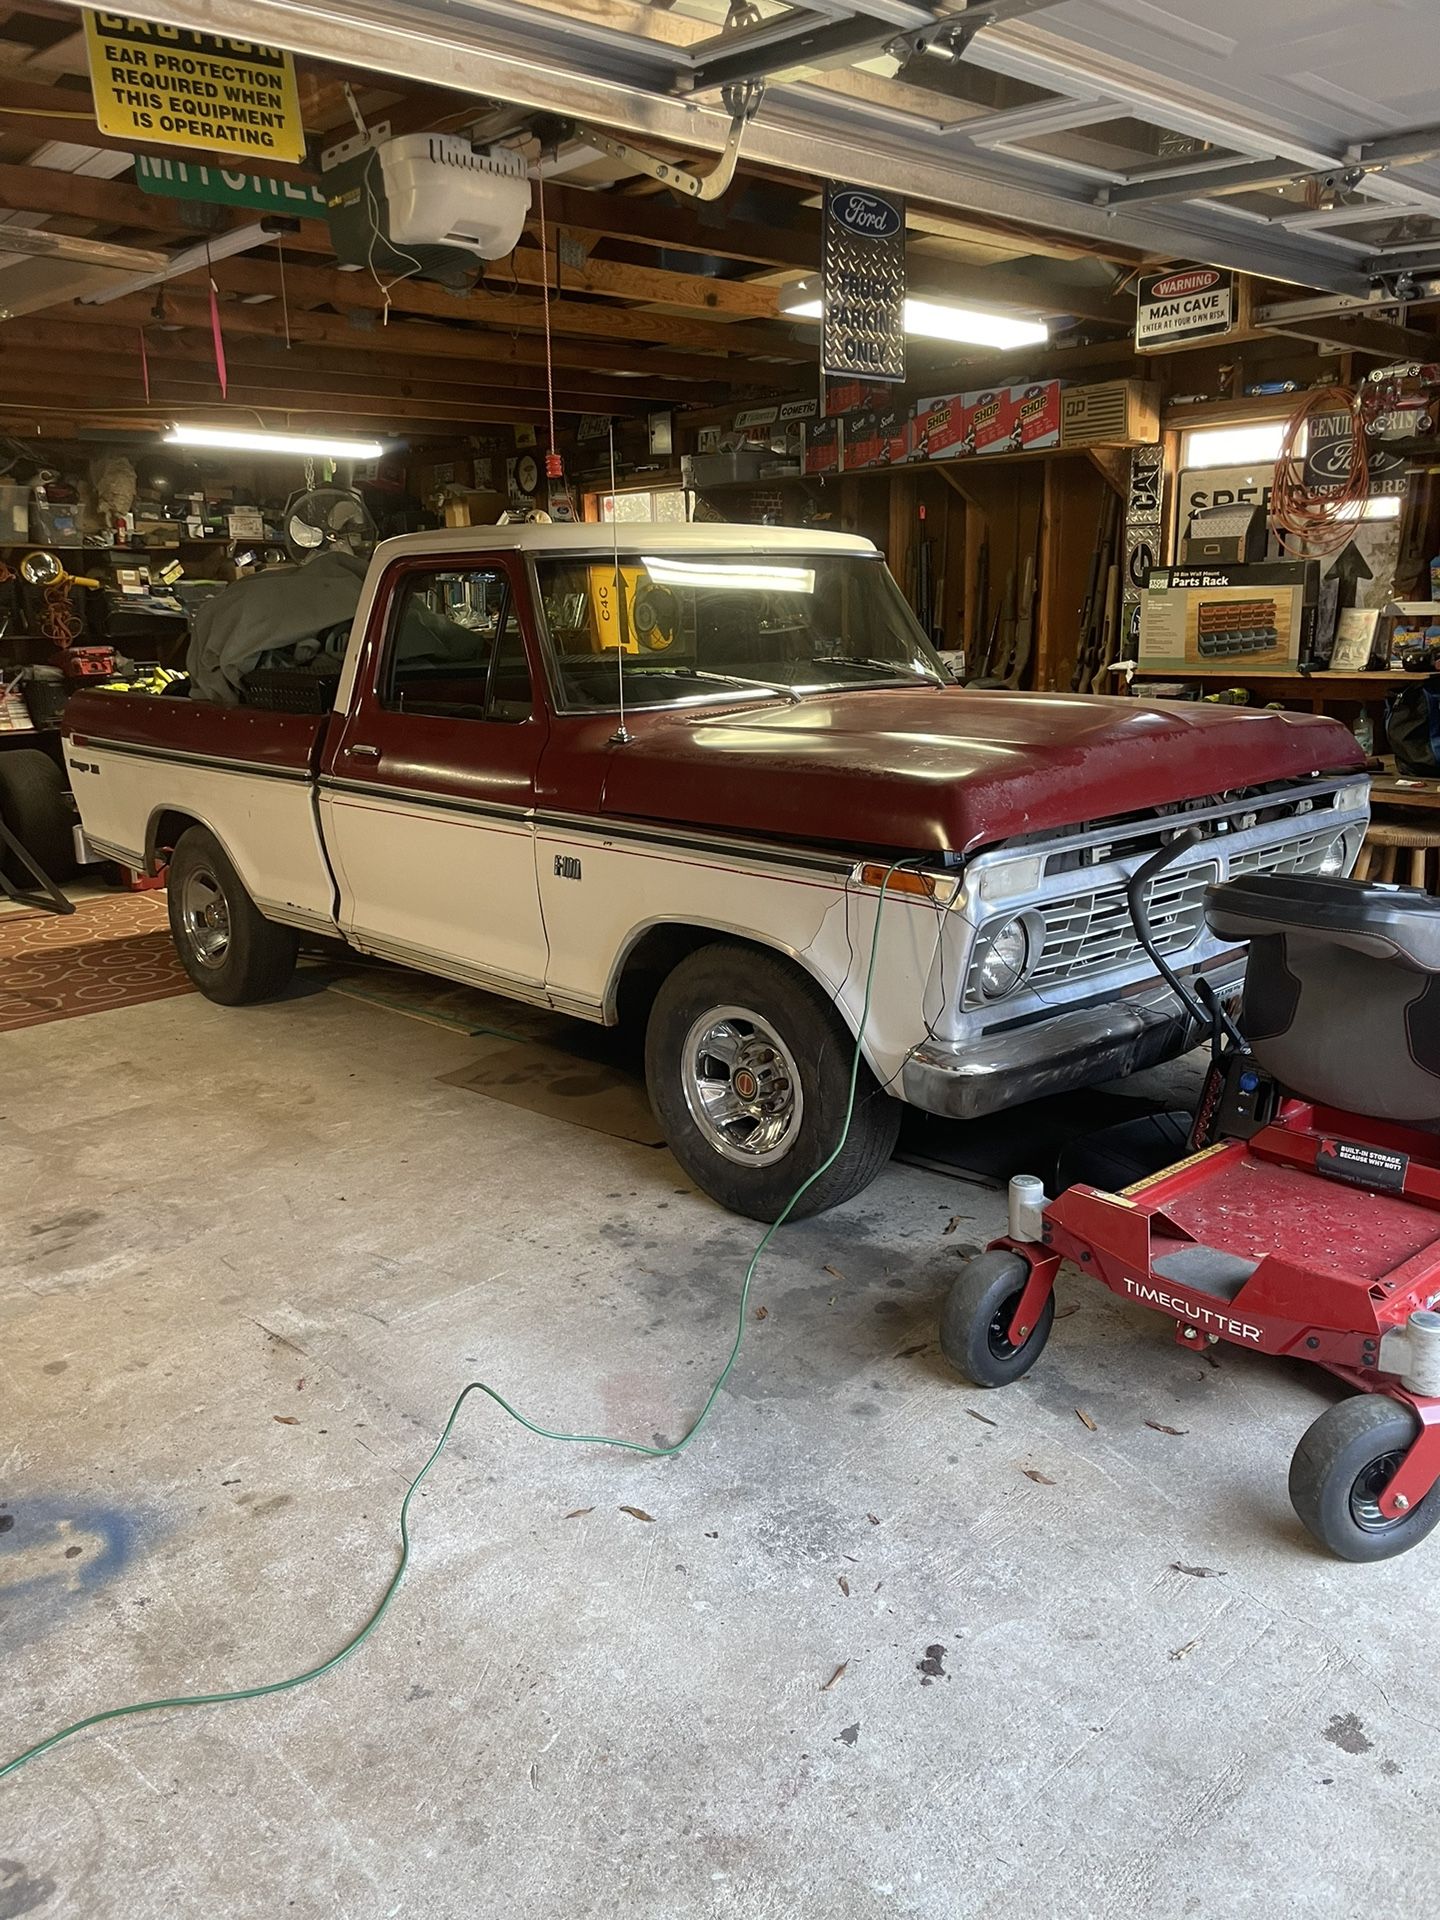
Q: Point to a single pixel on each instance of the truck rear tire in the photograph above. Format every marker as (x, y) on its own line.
(226, 945)
(748, 1067)
(35, 805)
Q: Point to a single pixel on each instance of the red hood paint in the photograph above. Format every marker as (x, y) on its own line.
(945, 768)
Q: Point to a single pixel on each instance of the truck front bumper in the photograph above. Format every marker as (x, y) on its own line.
(1078, 1048)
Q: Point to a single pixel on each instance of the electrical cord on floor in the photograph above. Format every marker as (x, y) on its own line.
(358, 1639)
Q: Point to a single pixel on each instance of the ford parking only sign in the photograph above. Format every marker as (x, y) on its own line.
(1183, 305)
(863, 330)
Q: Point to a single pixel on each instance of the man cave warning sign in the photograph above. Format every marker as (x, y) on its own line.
(1183, 306)
(169, 86)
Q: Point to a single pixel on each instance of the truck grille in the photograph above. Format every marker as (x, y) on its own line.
(1090, 932)
(1301, 855)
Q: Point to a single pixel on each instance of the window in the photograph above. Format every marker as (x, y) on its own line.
(698, 625)
(1243, 446)
(671, 505)
(455, 648)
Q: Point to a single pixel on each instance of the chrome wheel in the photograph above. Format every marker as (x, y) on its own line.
(205, 916)
(742, 1086)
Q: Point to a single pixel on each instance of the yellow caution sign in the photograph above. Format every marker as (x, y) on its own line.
(171, 87)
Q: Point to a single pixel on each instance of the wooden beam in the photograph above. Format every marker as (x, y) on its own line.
(403, 340)
(620, 216)
(611, 279)
(319, 286)
(1357, 333)
(594, 391)
(31, 366)
(73, 392)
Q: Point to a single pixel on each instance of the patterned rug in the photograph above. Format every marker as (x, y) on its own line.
(112, 952)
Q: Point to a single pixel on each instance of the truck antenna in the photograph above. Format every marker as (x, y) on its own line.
(621, 737)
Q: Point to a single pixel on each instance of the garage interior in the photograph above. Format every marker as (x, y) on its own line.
(760, 1603)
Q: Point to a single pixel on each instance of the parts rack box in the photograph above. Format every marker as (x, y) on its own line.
(1229, 619)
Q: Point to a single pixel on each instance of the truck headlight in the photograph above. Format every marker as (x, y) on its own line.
(1336, 857)
(1004, 954)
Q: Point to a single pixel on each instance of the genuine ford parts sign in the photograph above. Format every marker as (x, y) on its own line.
(863, 328)
(1186, 304)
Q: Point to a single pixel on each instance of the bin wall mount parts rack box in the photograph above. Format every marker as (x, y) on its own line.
(1219, 619)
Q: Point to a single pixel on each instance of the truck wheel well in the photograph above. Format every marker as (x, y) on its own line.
(161, 835)
(657, 952)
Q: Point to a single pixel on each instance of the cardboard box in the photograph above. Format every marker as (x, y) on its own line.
(993, 418)
(939, 428)
(895, 432)
(1035, 407)
(822, 446)
(1115, 413)
(865, 445)
(1229, 618)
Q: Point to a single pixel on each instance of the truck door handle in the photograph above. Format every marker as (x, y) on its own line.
(360, 751)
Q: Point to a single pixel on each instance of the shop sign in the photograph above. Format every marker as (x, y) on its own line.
(172, 87)
(227, 186)
(863, 284)
(1329, 445)
(1189, 305)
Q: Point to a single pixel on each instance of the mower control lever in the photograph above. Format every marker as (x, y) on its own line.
(1140, 917)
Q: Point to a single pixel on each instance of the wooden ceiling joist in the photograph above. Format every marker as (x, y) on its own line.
(652, 368)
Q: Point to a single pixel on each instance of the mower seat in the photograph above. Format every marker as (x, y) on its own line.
(1342, 989)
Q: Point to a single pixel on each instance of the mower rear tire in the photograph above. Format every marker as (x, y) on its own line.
(1341, 1467)
(977, 1314)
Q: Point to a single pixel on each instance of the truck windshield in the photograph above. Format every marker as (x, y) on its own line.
(698, 626)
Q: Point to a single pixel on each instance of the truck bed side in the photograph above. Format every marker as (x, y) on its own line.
(145, 766)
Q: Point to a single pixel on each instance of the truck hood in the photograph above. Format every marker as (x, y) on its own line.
(949, 769)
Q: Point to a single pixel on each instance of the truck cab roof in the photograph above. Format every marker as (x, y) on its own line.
(527, 536)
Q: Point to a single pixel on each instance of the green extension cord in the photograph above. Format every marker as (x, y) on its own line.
(545, 1433)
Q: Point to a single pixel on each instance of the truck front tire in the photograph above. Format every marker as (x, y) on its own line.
(748, 1067)
(226, 945)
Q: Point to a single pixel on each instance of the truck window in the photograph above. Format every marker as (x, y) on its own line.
(699, 625)
(454, 648)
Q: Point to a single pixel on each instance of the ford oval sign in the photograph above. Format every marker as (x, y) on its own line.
(867, 214)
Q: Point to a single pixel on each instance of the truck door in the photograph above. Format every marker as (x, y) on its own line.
(428, 791)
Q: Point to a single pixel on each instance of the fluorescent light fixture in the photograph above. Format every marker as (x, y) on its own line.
(931, 319)
(220, 246)
(317, 445)
(667, 572)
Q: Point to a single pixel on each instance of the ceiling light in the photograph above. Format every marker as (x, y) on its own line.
(927, 318)
(317, 445)
(220, 246)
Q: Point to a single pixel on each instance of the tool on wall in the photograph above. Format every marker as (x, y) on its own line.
(1100, 624)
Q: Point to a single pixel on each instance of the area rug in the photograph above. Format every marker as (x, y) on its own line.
(111, 952)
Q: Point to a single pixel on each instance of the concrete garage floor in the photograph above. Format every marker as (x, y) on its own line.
(885, 1645)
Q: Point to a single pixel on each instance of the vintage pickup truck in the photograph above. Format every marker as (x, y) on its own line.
(667, 780)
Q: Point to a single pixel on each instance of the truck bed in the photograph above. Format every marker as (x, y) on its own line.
(168, 723)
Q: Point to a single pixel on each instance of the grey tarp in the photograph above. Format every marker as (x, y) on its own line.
(269, 611)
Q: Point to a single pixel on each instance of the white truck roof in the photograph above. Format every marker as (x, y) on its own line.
(631, 536)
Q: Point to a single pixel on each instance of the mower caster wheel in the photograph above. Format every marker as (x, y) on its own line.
(977, 1313)
(1342, 1466)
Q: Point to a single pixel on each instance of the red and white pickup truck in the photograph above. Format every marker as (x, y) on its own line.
(710, 859)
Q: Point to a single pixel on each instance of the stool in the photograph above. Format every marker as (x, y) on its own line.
(1386, 844)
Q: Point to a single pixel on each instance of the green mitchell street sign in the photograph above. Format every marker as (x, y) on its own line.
(224, 186)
